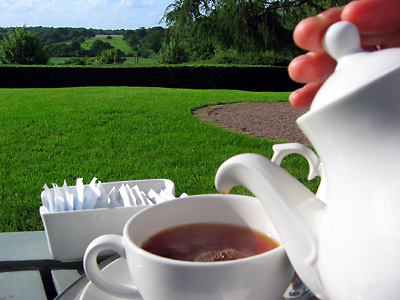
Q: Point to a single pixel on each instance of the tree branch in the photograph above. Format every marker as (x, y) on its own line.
(272, 5)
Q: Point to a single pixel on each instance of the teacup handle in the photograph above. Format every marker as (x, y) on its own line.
(106, 242)
(316, 167)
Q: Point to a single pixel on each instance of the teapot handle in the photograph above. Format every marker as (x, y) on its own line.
(282, 150)
(316, 168)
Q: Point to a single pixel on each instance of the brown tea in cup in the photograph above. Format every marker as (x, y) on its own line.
(209, 242)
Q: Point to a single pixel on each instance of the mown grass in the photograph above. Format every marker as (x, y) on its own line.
(114, 133)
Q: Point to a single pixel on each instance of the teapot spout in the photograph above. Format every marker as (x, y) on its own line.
(295, 211)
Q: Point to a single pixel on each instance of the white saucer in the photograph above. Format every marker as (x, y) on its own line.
(116, 271)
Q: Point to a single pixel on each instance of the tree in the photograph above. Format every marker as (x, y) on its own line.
(98, 46)
(242, 25)
(53, 37)
(90, 33)
(75, 45)
(133, 40)
(127, 33)
(174, 53)
(153, 41)
(22, 47)
(141, 32)
(110, 56)
(73, 34)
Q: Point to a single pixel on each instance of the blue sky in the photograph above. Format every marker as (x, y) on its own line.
(98, 14)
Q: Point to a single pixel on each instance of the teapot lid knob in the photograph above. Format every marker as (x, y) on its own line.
(342, 39)
(355, 68)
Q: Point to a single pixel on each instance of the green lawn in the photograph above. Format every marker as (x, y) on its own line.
(114, 133)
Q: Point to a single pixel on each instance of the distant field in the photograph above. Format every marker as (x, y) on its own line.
(116, 41)
(130, 61)
(143, 62)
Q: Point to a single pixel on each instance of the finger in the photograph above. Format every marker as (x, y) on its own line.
(308, 33)
(384, 40)
(311, 67)
(373, 16)
(303, 97)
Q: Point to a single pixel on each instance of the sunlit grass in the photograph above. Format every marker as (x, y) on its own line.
(114, 133)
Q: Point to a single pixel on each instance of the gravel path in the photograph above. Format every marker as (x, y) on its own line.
(269, 120)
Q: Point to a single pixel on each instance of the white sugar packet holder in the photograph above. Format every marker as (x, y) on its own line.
(75, 215)
(97, 195)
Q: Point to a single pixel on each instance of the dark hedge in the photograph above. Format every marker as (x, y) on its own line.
(191, 77)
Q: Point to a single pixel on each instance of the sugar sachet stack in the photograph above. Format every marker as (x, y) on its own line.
(92, 196)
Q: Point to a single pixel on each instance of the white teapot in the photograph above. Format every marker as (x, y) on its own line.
(347, 246)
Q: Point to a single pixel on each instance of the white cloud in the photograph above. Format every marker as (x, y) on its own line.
(154, 14)
(89, 5)
(147, 3)
(22, 5)
(106, 14)
(50, 7)
(126, 3)
(136, 4)
(3, 3)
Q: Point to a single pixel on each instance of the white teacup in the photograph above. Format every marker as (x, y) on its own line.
(260, 277)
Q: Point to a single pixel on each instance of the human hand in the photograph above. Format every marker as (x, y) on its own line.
(378, 23)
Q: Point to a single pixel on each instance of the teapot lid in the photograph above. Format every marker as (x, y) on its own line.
(355, 68)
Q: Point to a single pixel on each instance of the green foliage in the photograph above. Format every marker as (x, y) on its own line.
(78, 61)
(117, 42)
(202, 50)
(215, 31)
(153, 41)
(68, 49)
(133, 40)
(99, 46)
(74, 48)
(22, 47)
(145, 42)
(270, 58)
(241, 25)
(174, 53)
(144, 52)
(293, 14)
(89, 61)
(110, 56)
(71, 42)
(63, 34)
